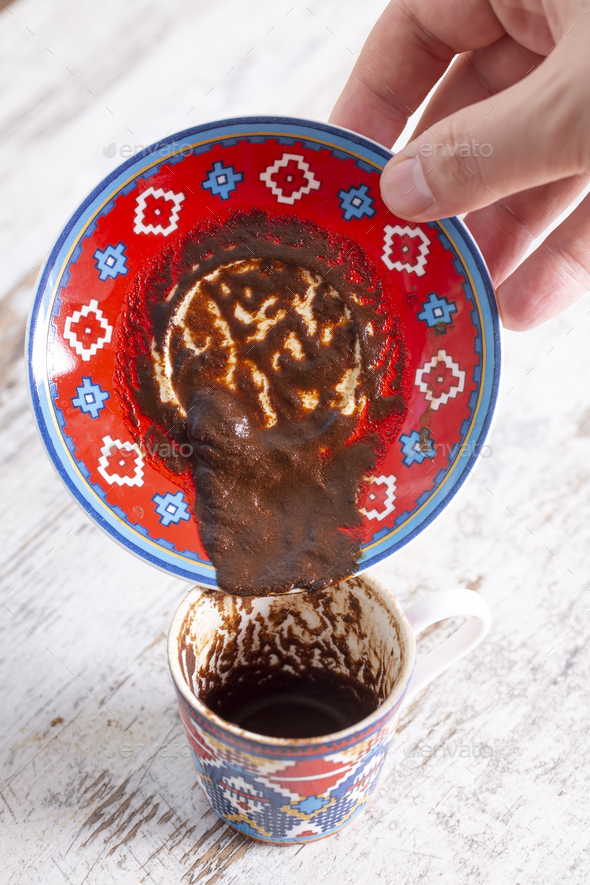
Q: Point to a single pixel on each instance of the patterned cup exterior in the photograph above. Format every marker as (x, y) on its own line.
(287, 794)
(284, 790)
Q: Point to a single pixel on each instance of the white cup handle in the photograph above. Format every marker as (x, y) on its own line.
(446, 604)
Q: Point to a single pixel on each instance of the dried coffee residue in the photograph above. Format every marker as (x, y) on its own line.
(296, 666)
(260, 359)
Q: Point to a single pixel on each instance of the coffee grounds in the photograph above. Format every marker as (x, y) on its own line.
(268, 367)
(282, 704)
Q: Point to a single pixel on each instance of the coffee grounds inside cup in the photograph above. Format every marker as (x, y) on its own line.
(262, 355)
(278, 703)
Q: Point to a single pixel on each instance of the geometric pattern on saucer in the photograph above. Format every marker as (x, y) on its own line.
(380, 497)
(171, 508)
(222, 180)
(90, 398)
(405, 248)
(111, 261)
(87, 330)
(440, 379)
(446, 308)
(437, 310)
(289, 178)
(157, 211)
(356, 202)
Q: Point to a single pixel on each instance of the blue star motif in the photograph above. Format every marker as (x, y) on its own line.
(111, 261)
(437, 310)
(222, 180)
(413, 451)
(91, 398)
(171, 508)
(356, 202)
(309, 804)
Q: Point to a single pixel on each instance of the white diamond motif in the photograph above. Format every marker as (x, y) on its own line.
(390, 232)
(109, 450)
(388, 505)
(157, 193)
(312, 181)
(69, 334)
(445, 396)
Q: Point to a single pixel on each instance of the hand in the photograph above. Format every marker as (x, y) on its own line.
(505, 136)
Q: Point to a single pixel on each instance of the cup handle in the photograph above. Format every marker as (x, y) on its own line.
(446, 604)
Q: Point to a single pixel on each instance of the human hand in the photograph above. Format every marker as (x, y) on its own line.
(518, 89)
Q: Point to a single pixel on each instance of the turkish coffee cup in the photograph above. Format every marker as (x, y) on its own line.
(290, 702)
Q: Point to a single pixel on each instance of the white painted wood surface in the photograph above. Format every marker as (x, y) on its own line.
(95, 781)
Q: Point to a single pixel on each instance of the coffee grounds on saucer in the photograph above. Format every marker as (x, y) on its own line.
(259, 362)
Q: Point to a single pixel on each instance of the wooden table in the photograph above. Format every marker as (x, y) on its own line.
(486, 777)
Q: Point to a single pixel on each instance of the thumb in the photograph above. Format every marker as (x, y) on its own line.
(527, 137)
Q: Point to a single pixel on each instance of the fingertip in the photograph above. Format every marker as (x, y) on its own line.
(536, 292)
(404, 188)
(516, 314)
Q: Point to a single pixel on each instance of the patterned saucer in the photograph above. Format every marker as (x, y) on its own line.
(284, 166)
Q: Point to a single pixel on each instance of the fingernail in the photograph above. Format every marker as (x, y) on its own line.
(404, 188)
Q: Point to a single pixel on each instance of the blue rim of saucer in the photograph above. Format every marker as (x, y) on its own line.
(191, 567)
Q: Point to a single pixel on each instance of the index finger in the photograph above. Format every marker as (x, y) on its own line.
(406, 53)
